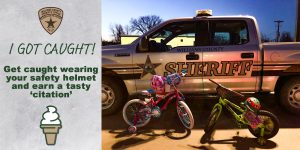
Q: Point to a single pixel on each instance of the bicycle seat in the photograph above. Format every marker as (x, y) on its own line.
(149, 93)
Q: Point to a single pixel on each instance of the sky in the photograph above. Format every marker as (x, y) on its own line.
(265, 11)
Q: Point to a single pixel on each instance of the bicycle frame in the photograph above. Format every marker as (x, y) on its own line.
(238, 117)
(231, 106)
(171, 95)
(174, 94)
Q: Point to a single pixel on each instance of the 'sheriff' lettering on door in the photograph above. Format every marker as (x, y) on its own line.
(210, 68)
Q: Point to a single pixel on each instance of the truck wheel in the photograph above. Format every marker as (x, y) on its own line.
(112, 96)
(290, 95)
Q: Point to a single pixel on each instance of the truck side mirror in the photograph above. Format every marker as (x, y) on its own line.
(143, 44)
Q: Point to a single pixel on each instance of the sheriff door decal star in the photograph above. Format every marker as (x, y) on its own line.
(148, 67)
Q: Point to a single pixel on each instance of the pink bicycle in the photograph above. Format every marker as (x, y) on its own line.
(138, 112)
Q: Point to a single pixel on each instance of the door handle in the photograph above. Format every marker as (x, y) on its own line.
(247, 55)
(122, 54)
(192, 56)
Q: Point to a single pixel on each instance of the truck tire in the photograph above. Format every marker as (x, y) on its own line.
(113, 95)
(290, 95)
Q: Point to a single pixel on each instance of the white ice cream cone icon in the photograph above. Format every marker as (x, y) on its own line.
(51, 125)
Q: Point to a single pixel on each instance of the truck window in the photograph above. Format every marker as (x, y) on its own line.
(189, 33)
(233, 32)
(187, 39)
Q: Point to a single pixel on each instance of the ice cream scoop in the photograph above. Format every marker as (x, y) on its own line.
(51, 116)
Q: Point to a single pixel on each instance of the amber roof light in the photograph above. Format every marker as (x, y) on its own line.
(207, 12)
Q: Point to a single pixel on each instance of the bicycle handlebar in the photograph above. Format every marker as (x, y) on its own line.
(183, 73)
(214, 82)
(175, 79)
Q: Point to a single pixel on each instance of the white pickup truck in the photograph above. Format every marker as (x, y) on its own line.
(226, 49)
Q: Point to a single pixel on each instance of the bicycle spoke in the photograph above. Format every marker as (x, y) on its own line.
(184, 115)
(267, 123)
(135, 113)
(186, 118)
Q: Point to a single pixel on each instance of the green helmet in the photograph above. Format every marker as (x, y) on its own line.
(253, 104)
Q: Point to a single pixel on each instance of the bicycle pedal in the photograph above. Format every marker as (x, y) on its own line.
(261, 141)
(239, 125)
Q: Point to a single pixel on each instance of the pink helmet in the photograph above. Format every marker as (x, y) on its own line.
(158, 83)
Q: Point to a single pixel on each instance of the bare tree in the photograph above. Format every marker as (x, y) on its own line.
(127, 30)
(144, 23)
(286, 37)
(117, 30)
(265, 38)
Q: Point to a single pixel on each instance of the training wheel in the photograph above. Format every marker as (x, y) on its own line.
(132, 129)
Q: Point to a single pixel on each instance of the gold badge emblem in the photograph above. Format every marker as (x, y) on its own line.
(148, 67)
(50, 18)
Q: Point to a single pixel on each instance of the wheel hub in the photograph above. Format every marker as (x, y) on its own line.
(104, 97)
(297, 96)
(108, 96)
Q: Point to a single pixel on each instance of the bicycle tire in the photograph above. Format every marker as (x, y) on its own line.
(128, 120)
(189, 124)
(212, 120)
(275, 125)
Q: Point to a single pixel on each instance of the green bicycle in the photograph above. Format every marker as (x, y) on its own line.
(261, 123)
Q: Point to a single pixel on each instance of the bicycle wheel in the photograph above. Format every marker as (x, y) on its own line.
(136, 113)
(185, 115)
(212, 120)
(270, 122)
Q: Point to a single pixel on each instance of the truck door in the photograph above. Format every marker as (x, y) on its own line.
(172, 48)
(230, 58)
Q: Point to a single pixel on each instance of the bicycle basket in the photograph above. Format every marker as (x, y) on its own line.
(173, 79)
(229, 94)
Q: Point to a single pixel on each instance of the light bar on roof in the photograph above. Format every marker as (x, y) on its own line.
(207, 12)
